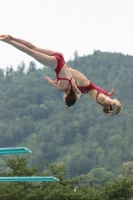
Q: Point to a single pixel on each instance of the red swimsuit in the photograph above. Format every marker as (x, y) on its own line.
(60, 64)
(91, 86)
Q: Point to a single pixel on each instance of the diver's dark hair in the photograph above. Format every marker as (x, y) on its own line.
(107, 110)
(70, 99)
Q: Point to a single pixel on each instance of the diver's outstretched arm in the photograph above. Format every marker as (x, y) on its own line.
(55, 86)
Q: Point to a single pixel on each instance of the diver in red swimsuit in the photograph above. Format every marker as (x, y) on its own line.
(100, 96)
(67, 78)
(65, 82)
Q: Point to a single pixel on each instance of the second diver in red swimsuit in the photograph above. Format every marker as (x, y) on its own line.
(99, 95)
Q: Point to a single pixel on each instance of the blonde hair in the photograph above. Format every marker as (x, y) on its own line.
(109, 110)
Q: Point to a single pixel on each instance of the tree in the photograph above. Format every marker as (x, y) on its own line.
(32, 66)
(97, 175)
(128, 169)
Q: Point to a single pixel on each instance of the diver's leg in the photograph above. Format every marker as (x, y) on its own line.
(30, 45)
(44, 59)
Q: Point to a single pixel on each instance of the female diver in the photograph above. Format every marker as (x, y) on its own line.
(70, 81)
(65, 82)
(112, 107)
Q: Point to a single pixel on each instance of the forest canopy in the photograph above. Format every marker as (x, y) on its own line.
(87, 141)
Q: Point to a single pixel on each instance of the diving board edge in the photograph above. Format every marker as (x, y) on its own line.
(14, 150)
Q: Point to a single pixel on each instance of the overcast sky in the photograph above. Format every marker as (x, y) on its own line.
(66, 26)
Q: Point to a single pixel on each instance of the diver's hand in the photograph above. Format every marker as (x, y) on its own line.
(112, 91)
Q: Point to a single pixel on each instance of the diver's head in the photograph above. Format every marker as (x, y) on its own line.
(70, 98)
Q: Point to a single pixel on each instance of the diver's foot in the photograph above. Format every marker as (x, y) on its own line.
(4, 38)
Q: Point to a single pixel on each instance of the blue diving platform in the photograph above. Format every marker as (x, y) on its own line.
(29, 179)
(14, 150)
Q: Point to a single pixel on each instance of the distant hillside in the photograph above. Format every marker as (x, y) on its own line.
(32, 115)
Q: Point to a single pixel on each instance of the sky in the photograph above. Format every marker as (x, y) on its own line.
(66, 26)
